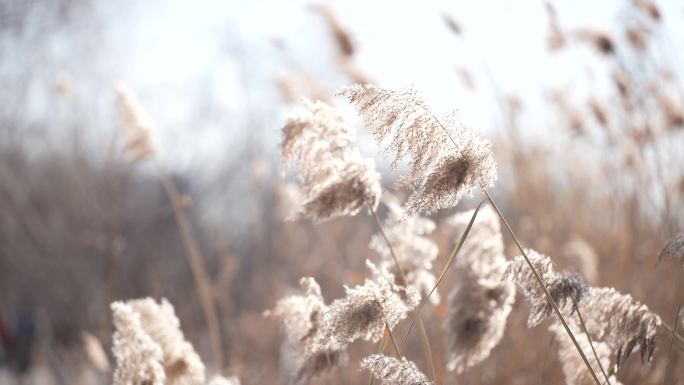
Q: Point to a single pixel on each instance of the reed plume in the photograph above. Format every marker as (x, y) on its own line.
(478, 312)
(415, 252)
(566, 289)
(621, 322)
(137, 127)
(335, 179)
(673, 250)
(94, 352)
(393, 371)
(138, 357)
(444, 167)
(301, 316)
(571, 363)
(182, 365)
(365, 311)
(479, 303)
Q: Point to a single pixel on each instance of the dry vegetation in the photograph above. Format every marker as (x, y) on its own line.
(501, 261)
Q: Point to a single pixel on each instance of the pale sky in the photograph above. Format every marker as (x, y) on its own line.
(204, 68)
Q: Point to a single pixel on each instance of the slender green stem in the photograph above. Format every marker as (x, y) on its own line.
(669, 355)
(452, 256)
(546, 290)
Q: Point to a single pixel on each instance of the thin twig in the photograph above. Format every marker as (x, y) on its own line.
(197, 267)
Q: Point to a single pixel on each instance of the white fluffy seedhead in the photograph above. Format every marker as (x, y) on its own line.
(364, 311)
(335, 179)
(444, 166)
(393, 371)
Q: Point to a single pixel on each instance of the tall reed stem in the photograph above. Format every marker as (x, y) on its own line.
(543, 285)
(199, 272)
(591, 344)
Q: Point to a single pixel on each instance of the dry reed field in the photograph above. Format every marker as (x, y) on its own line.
(339, 228)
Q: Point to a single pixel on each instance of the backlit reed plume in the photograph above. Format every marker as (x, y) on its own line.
(478, 312)
(649, 8)
(599, 39)
(301, 316)
(674, 249)
(364, 311)
(582, 257)
(415, 252)
(444, 167)
(566, 289)
(479, 303)
(182, 364)
(393, 371)
(621, 322)
(137, 127)
(138, 357)
(94, 352)
(555, 39)
(573, 367)
(335, 179)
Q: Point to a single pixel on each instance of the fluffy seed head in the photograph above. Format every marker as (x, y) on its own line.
(182, 364)
(574, 368)
(565, 289)
(478, 311)
(137, 127)
(301, 316)
(443, 168)
(138, 357)
(621, 322)
(336, 180)
(94, 352)
(392, 371)
(363, 312)
(479, 304)
(674, 249)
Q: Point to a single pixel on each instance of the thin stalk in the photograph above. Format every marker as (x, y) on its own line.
(675, 335)
(391, 338)
(674, 332)
(546, 290)
(591, 344)
(199, 272)
(452, 256)
(424, 337)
